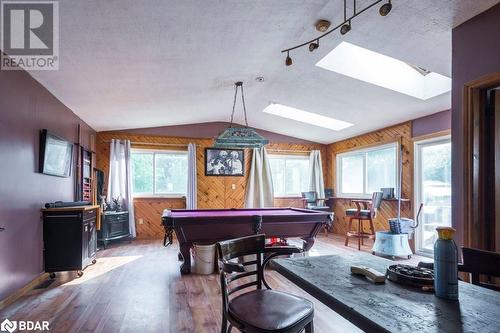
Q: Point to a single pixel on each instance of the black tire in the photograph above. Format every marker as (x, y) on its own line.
(94, 261)
(79, 273)
(52, 275)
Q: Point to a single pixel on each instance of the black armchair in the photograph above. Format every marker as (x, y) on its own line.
(311, 201)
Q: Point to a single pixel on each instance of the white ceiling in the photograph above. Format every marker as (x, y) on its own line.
(131, 64)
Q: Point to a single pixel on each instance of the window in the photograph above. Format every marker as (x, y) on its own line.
(159, 173)
(362, 172)
(384, 71)
(290, 175)
(433, 189)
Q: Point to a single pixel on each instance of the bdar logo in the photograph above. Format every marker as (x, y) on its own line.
(8, 326)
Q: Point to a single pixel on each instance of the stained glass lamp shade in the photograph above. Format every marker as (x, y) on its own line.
(240, 137)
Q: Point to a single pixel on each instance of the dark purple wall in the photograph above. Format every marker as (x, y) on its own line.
(25, 108)
(476, 52)
(208, 130)
(433, 123)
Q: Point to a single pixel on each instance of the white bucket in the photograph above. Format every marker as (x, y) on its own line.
(204, 258)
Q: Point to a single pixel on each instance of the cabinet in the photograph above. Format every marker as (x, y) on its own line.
(69, 238)
(114, 226)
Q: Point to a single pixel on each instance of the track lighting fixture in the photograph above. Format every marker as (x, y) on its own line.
(345, 26)
(313, 46)
(288, 60)
(385, 9)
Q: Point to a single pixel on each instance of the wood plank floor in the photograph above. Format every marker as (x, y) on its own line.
(137, 287)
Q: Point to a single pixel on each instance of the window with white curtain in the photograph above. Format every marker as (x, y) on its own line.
(290, 174)
(362, 172)
(159, 173)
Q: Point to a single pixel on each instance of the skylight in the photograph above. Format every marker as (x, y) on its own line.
(306, 117)
(381, 70)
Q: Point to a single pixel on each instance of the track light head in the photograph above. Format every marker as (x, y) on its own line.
(313, 46)
(345, 28)
(288, 60)
(385, 9)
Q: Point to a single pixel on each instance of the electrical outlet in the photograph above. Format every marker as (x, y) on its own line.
(141, 221)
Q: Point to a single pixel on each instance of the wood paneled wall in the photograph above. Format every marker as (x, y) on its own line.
(388, 209)
(213, 192)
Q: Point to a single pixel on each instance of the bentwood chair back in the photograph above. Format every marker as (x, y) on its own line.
(254, 308)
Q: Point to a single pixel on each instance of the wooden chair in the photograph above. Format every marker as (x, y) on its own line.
(366, 213)
(258, 310)
(480, 262)
(311, 201)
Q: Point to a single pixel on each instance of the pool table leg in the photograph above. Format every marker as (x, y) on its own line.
(308, 243)
(186, 256)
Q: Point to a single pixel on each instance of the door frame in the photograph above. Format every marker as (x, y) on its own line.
(473, 231)
(418, 143)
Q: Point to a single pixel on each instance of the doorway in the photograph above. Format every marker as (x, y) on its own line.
(433, 189)
(491, 168)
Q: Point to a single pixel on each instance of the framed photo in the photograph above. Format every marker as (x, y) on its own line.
(224, 162)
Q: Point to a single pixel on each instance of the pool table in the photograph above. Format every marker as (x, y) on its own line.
(213, 225)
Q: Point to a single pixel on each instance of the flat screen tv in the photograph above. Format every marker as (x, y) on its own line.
(56, 155)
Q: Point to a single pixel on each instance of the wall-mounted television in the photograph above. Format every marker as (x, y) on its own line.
(56, 155)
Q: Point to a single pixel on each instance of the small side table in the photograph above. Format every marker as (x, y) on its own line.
(394, 245)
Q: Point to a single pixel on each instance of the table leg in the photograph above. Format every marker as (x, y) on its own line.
(186, 256)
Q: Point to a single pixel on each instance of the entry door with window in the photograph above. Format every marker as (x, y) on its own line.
(433, 189)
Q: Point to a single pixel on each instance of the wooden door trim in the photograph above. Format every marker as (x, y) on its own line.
(472, 106)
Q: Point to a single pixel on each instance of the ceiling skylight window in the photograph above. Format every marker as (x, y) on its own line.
(381, 70)
(306, 117)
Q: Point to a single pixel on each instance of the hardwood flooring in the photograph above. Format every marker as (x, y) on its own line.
(137, 287)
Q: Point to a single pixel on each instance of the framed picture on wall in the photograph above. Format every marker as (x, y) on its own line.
(224, 162)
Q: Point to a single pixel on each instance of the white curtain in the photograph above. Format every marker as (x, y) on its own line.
(260, 191)
(120, 178)
(316, 174)
(191, 185)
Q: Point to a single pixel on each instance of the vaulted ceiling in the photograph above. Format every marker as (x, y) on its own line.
(131, 64)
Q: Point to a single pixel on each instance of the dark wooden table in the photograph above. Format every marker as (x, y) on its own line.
(389, 307)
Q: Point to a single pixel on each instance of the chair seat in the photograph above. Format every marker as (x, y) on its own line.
(322, 208)
(354, 211)
(270, 310)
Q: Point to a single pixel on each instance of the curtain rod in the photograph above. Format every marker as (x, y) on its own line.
(289, 151)
(153, 143)
(185, 145)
